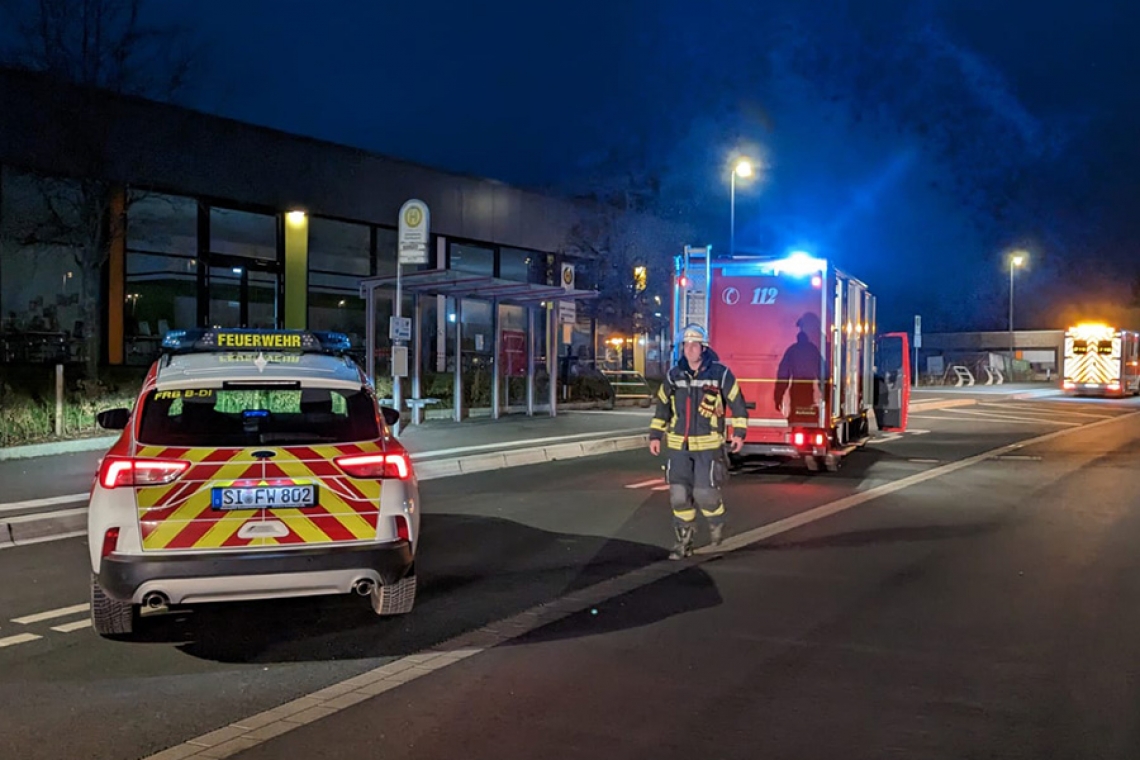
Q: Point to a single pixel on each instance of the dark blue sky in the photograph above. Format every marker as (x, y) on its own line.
(914, 141)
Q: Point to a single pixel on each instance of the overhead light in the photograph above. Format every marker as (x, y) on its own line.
(296, 217)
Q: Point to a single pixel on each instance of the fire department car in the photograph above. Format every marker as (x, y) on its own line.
(255, 465)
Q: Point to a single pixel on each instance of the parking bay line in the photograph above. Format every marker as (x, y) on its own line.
(392, 675)
(39, 617)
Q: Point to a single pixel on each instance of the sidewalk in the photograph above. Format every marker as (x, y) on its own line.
(43, 509)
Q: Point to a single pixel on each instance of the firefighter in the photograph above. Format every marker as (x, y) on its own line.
(690, 417)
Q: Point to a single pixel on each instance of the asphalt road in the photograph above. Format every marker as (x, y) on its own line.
(954, 605)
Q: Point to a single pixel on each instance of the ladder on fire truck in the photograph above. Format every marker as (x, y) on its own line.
(693, 270)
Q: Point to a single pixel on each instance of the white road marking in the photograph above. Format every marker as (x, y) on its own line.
(664, 487)
(332, 699)
(998, 421)
(1012, 418)
(69, 627)
(644, 483)
(23, 638)
(52, 614)
(1054, 410)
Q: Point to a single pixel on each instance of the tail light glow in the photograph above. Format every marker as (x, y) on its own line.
(110, 541)
(798, 438)
(377, 466)
(120, 472)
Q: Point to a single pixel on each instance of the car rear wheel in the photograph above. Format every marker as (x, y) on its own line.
(395, 599)
(109, 616)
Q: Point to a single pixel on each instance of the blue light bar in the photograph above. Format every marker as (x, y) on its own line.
(333, 341)
(800, 264)
(796, 264)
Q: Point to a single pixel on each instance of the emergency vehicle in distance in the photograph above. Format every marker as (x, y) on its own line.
(800, 336)
(1101, 360)
(255, 465)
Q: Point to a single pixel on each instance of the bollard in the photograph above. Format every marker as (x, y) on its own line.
(59, 401)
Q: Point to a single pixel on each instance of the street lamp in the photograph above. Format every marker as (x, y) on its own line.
(742, 169)
(1016, 259)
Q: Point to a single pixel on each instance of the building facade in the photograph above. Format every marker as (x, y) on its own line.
(201, 221)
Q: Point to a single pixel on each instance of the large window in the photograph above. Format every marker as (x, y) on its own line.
(41, 280)
(241, 233)
(473, 259)
(340, 254)
(524, 266)
(162, 271)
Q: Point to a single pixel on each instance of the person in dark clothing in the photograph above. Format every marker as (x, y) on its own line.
(699, 399)
(801, 372)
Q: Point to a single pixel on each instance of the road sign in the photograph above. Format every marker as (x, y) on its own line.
(567, 312)
(400, 328)
(568, 276)
(917, 331)
(414, 232)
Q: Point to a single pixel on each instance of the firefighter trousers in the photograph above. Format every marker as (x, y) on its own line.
(695, 479)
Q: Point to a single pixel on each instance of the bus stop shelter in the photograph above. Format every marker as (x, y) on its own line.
(460, 286)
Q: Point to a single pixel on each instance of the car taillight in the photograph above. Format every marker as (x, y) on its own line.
(380, 466)
(118, 471)
(110, 541)
(820, 439)
(798, 438)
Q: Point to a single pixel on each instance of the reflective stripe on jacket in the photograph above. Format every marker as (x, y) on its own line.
(691, 406)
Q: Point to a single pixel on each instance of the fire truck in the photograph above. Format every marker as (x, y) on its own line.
(800, 336)
(1101, 360)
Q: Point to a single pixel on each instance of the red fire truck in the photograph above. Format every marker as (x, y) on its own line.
(800, 336)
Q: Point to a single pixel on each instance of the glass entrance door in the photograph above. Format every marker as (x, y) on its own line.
(243, 292)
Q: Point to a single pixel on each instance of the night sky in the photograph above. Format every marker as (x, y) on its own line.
(915, 142)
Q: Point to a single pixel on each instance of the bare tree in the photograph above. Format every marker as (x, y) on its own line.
(102, 46)
(105, 44)
(612, 243)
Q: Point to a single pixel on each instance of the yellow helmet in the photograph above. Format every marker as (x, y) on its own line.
(695, 334)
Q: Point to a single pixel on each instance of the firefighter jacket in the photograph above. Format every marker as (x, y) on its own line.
(691, 406)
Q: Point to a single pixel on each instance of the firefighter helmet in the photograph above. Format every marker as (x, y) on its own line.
(695, 334)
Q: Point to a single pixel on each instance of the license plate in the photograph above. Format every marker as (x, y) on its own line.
(265, 497)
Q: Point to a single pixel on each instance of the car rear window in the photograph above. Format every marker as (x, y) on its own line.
(257, 416)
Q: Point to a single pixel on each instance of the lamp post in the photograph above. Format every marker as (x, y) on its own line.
(742, 169)
(1016, 260)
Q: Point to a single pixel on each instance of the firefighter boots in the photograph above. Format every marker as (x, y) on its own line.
(684, 546)
(716, 534)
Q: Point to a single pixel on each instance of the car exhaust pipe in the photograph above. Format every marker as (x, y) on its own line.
(155, 600)
(364, 586)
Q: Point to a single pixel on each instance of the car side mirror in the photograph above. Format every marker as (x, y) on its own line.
(114, 419)
(391, 416)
